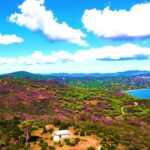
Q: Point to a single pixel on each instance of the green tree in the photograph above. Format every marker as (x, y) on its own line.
(27, 128)
(14, 128)
(91, 148)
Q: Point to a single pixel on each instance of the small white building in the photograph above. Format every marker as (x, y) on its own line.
(61, 134)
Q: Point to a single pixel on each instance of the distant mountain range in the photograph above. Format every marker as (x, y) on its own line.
(125, 73)
(28, 75)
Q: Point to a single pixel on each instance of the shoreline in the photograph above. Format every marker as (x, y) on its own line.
(136, 90)
(139, 96)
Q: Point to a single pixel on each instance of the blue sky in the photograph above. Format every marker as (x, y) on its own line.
(45, 36)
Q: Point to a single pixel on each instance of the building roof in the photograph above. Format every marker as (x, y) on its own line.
(61, 132)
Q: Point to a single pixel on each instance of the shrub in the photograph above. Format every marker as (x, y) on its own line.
(103, 148)
(67, 141)
(77, 140)
(72, 143)
(88, 133)
(51, 148)
(82, 133)
(112, 147)
(39, 124)
(22, 139)
(60, 144)
(44, 130)
(91, 148)
(43, 144)
(63, 126)
(50, 130)
(56, 122)
(51, 138)
(76, 132)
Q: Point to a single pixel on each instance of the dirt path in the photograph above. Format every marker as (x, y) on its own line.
(128, 106)
(122, 111)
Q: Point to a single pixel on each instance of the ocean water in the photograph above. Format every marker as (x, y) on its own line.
(140, 93)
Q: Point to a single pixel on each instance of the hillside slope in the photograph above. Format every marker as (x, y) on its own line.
(97, 111)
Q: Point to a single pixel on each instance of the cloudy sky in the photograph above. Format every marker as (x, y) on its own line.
(45, 36)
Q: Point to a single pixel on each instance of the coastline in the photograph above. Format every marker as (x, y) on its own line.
(136, 90)
(139, 93)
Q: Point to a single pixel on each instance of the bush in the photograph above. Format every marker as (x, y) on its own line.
(60, 144)
(91, 148)
(67, 141)
(88, 133)
(112, 147)
(44, 130)
(63, 126)
(50, 130)
(77, 140)
(51, 138)
(103, 148)
(72, 143)
(76, 132)
(22, 139)
(51, 148)
(56, 122)
(82, 133)
(43, 144)
(39, 124)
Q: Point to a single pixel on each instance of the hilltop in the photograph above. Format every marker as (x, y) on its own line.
(28, 75)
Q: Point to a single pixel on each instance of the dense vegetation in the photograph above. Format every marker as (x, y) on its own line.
(110, 83)
(91, 105)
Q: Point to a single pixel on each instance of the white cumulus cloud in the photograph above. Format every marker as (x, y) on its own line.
(10, 39)
(34, 16)
(107, 53)
(123, 52)
(119, 24)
